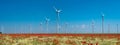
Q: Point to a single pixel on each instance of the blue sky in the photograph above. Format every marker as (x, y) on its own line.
(17, 15)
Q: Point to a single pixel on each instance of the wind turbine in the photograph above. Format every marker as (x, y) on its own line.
(93, 26)
(66, 24)
(108, 28)
(117, 28)
(30, 28)
(47, 22)
(58, 11)
(22, 27)
(14, 29)
(41, 27)
(102, 23)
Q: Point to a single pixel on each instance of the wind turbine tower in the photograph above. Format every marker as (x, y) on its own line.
(41, 27)
(102, 23)
(93, 26)
(66, 26)
(108, 28)
(22, 27)
(117, 29)
(58, 11)
(47, 22)
(30, 28)
(14, 29)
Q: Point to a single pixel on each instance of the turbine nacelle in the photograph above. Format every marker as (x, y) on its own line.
(93, 22)
(57, 10)
(47, 19)
(41, 23)
(102, 14)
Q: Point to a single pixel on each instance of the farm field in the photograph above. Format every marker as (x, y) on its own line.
(59, 39)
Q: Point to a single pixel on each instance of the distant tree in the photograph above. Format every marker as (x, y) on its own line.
(0, 32)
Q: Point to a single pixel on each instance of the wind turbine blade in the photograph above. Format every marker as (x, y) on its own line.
(46, 18)
(55, 8)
